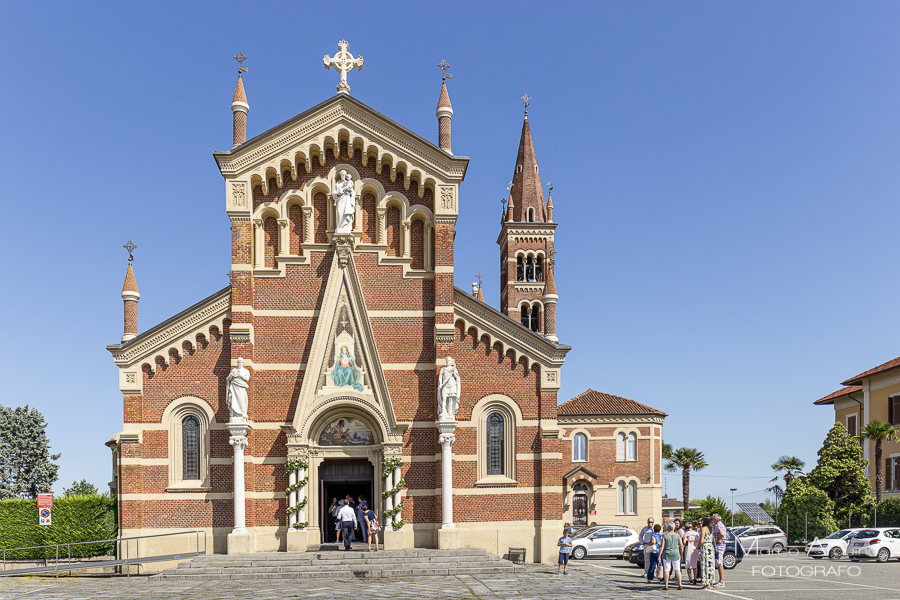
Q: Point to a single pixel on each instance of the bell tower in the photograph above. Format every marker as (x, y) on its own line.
(526, 242)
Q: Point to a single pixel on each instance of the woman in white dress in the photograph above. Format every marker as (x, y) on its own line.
(691, 539)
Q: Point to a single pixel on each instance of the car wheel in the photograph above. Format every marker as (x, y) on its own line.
(776, 549)
(883, 555)
(729, 560)
(835, 553)
(579, 552)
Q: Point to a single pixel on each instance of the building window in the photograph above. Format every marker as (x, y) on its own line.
(620, 447)
(851, 425)
(539, 269)
(632, 497)
(536, 317)
(529, 269)
(520, 269)
(531, 215)
(632, 447)
(190, 443)
(579, 447)
(627, 498)
(621, 497)
(495, 444)
(894, 410)
(526, 318)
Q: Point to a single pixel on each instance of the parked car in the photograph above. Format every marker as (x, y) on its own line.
(577, 530)
(880, 543)
(603, 541)
(734, 552)
(763, 538)
(834, 546)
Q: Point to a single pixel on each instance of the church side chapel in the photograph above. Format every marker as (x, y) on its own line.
(342, 360)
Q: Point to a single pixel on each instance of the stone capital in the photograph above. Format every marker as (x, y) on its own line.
(447, 439)
(238, 441)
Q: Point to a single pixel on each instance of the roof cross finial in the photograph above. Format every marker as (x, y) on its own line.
(478, 277)
(509, 186)
(240, 58)
(130, 246)
(343, 62)
(550, 186)
(526, 100)
(443, 66)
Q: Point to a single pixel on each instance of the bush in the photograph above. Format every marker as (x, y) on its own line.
(75, 519)
(806, 509)
(889, 506)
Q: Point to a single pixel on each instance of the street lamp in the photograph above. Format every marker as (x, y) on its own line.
(732, 506)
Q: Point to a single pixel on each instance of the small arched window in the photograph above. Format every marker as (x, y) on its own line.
(621, 497)
(536, 317)
(529, 269)
(531, 215)
(632, 497)
(520, 269)
(518, 168)
(526, 317)
(494, 445)
(632, 447)
(190, 443)
(539, 269)
(620, 447)
(579, 447)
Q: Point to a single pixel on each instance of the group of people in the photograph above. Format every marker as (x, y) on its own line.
(700, 547)
(349, 517)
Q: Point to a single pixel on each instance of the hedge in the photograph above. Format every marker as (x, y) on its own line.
(75, 519)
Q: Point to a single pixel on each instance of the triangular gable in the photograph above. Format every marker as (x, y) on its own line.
(344, 322)
(580, 469)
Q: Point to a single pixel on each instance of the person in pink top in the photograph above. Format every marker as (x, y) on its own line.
(691, 540)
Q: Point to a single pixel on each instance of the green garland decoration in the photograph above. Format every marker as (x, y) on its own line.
(395, 490)
(394, 511)
(292, 509)
(293, 465)
(389, 466)
(300, 525)
(398, 524)
(296, 486)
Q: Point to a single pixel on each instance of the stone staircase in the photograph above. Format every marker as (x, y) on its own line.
(418, 562)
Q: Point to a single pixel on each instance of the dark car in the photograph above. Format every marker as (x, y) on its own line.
(734, 552)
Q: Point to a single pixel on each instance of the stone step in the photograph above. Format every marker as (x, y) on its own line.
(354, 574)
(332, 568)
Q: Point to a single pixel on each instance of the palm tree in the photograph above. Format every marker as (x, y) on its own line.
(791, 465)
(666, 450)
(779, 494)
(879, 431)
(687, 460)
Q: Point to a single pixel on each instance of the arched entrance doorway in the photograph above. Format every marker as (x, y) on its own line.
(580, 505)
(338, 479)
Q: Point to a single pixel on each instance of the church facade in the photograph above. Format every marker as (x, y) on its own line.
(342, 311)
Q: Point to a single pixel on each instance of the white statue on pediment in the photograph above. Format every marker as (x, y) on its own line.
(236, 391)
(345, 202)
(448, 391)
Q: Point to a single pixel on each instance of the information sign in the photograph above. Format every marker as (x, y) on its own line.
(44, 516)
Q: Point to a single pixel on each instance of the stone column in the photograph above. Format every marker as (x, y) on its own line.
(429, 245)
(292, 498)
(379, 230)
(406, 238)
(258, 249)
(307, 224)
(448, 535)
(397, 498)
(388, 501)
(300, 495)
(284, 239)
(239, 540)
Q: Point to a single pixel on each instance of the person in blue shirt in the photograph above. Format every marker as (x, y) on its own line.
(565, 547)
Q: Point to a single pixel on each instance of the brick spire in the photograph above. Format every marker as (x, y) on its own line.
(549, 299)
(130, 297)
(527, 192)
(239, 108)
(550, 204)
(444, 115)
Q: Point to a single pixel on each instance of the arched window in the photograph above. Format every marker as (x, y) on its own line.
(579, 447)
(531, 215)
(190, 445)
(529, 269)
(536, 317)
(518, 168)
(632, 497)
(526, 317)
(621, 497)
(620, 446)
(539, 269)
(494, 444)
(520, 269)
(632, 447)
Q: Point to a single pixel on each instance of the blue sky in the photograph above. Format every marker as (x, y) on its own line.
(725, 181)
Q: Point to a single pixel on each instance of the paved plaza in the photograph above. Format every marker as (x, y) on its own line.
(757, 578)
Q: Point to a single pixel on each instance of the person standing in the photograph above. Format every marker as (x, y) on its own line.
(332, 519)
(719, 541)
(706, 560)
(670, 553)
(646, 537)
(565, 547)
(363, 530)
(691, 539)
(654, 552)
(337, 521)
(347, 518)
(371, 526)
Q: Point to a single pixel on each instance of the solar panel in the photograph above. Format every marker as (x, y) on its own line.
(755, 512)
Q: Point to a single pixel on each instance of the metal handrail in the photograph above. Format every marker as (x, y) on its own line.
(126, 561)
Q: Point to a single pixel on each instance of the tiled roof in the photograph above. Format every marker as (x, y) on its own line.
(857, 380)
(830, 398)
(130, 284)
(444, 100)
(675, 503)
(239, 95)
(597, 403)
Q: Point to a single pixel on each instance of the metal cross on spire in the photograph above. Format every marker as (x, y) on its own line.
(240, 58)
(443, 66)
(343, 62)
(550, 186)
(478, 277)
(130, 246)
(526, 100)
(509, 186)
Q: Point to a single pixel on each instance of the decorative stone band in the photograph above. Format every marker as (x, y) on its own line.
(240, 106)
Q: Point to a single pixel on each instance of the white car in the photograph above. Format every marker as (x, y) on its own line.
(834, 546)
(880, 543)
(604, 541)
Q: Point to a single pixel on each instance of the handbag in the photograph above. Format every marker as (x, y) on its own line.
(658, 573)
(373, 525)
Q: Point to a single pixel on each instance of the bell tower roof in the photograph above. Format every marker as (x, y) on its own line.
(527, 192)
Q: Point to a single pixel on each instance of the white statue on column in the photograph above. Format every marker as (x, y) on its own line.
(448, 392)
(236, 395)
(345, 203)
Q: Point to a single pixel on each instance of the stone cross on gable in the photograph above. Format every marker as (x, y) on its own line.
(343, 62)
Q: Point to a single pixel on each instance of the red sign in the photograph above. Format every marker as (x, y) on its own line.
(45, 500)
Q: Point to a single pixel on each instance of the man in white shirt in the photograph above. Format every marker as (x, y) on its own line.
(347, 518)
(646, 536)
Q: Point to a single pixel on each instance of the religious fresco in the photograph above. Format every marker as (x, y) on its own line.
(344, 364)
(346, 432)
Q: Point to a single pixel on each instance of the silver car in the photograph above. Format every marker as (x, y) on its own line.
(763, 538)
(604, 541)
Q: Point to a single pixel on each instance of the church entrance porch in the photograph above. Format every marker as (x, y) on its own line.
(339, 478)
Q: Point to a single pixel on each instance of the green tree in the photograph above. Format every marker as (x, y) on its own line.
(740, 518)
(889, 506)
(770, 507)
(666, 451)
(791, 466)
(685, 460)
(708, 507)
(841, 473)
(81, 488)
(806, 512)
(879, 432)
(26, 466)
